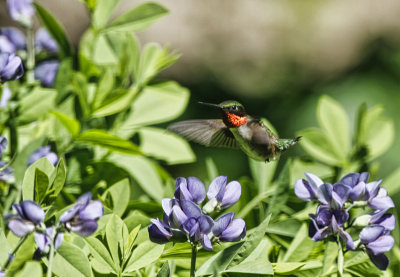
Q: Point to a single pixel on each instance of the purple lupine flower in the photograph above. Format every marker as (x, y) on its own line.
(198, 229)
(377, 241)
(43, 240)
(30, 215)
(222, 195)
(21, 11)
(45, 42)
(159, 232)
(10, 67)
(6, 173)
(313, 188)
(5, 96)
(46, 72)
(82, 217)
(228, 229)
(44, 151)
(14, 40)
(3, 145)
(190, 188)
(2, 273)
(388, 221)
(327, 222)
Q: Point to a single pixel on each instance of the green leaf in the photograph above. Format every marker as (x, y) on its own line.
(80, 86)
(28, 184)
(116, 104)
(335, 123)
(286, 268)
(5, 249)
(24, 254)
(261, 267)
(31, 269)
(300, 247)
(102, 53)
(103, 262)
(262, 173)
(360, 265)
(119, 194)
(143, 171)
(41, 185)
(156, 104)
(281, 195)
(102, 12)
(164, 271)
(331, 253)
(153, 60)
(36, 104)
(129, 244)
(117, 236)
(138, 18)
(106, 140)
(71, 124)
(59, 179)
(146, 253)
(165, 145)
(55, 29)
(316, 145)
(250, 243)
(106, 85)
(70, 260)
(220, 261)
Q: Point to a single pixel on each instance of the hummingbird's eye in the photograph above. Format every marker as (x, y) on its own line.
(234, 108)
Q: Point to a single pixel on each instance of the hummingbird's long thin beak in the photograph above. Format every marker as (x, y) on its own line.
(209, 104)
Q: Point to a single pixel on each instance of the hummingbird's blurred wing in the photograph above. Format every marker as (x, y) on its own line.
(208, 132)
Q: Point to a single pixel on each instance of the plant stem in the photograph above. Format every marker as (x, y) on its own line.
(30, 62)
(51, 256)
(193, 260)
(7, 263)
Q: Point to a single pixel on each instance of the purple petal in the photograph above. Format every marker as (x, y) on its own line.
(52, 157)
(381, 261)
(44, 41)
(13, 69)
(68, 215)
(206, 223)
(232, 194)
(167, 205)
(233, 231)
(93, 210)
(190, 209)
(323, 215)
(32, 211)
(19, 210)
(371, 233)
(20, 227)
(314, 181)
(388, 221)
(324, 193)
(347, 238)
(162, 227)
(46, 72)
(351, 179)
(342, 191)
(84, 228)
(178, 217)
(196, 189)
(221, 223)
(334, 225)
(206, 243)
(357, 192)
(182, 193)
(59, 239)
(364, 176)
(304, 191)
(189, 224)
(381, 245)
(42, 241)
(381, 203)
(341, 216)
(156, 235)
(373, 188)
(217, 188)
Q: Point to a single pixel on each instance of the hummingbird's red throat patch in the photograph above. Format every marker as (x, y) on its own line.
(236, 120)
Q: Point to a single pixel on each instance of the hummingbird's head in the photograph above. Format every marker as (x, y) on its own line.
(233, 113)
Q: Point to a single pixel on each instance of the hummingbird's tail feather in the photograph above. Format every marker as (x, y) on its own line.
(284, 144)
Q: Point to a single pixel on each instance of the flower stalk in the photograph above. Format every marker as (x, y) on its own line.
(51, 255)
(193, 260)
(30, 63)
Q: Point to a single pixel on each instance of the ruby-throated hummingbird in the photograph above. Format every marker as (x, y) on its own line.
(237, 130)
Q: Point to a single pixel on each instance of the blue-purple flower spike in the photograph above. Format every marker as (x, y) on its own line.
(29, 215)
(21, 11)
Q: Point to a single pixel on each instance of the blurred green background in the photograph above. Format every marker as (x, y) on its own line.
(276, 57)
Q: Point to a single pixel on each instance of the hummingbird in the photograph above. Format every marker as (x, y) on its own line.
(236, 129)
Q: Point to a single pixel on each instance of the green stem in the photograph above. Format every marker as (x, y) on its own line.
(51, 256)
(193, 260)
(340, 258)
(7, 263)
(30, 62)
